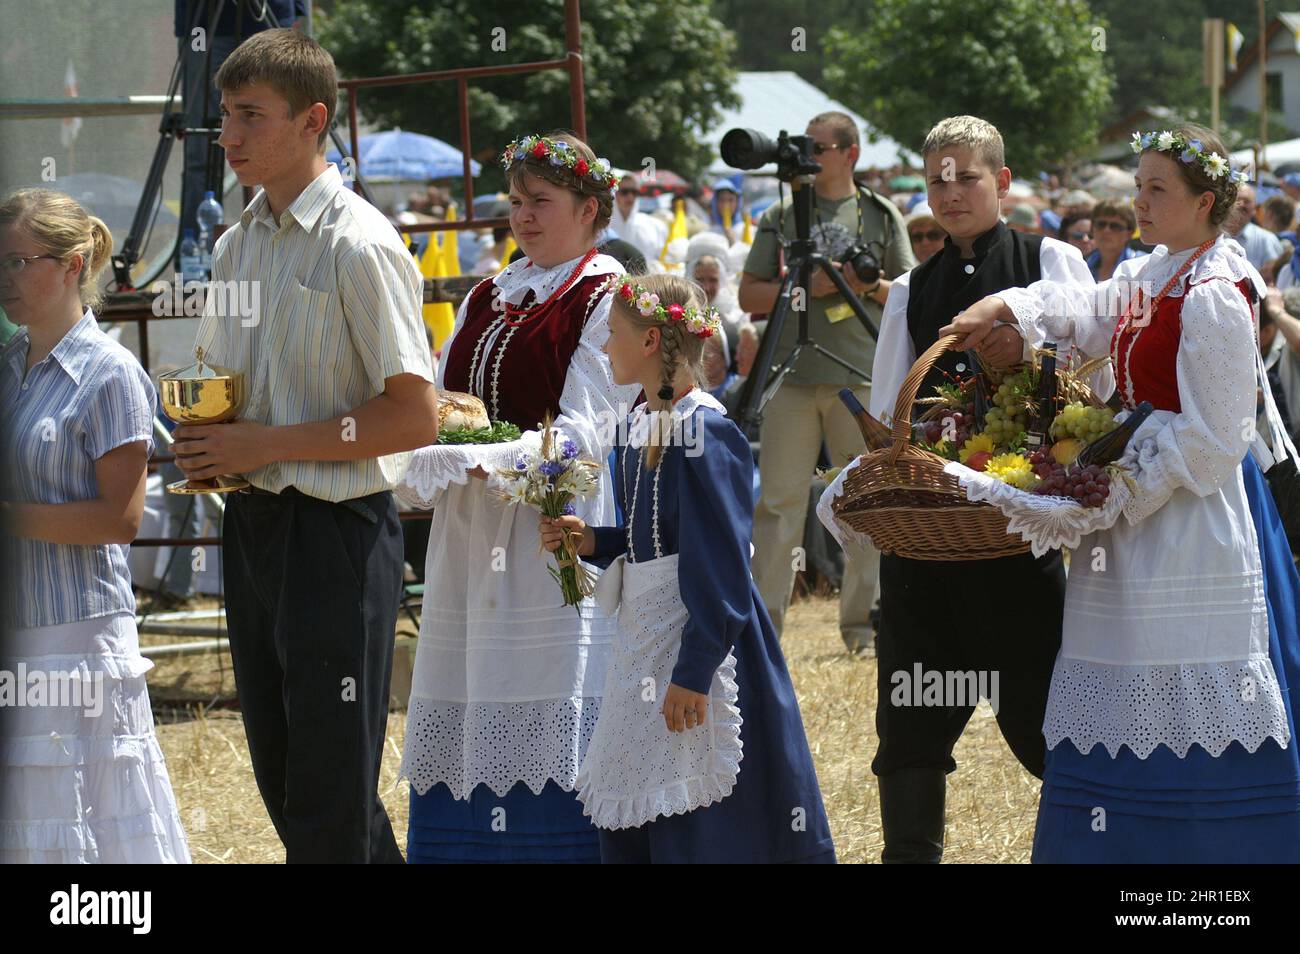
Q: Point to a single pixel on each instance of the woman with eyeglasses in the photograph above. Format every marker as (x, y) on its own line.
(1113, 224)
(85, 780)
(645, 232)
(924, 233)
(1076, 230)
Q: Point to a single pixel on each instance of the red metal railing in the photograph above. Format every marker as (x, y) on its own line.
(572, 63)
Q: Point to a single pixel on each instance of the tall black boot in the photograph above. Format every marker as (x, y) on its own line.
(911, 815)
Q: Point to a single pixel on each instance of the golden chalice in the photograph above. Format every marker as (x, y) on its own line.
(203, 394)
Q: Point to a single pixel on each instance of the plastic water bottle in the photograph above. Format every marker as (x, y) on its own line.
(191, 259)
(209, 216)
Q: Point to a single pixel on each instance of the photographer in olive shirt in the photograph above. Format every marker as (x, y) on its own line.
(806, 410)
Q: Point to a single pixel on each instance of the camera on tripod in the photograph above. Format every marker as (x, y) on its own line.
(749, 149)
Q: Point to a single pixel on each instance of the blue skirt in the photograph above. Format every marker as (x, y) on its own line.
(774, 815)
(519, 828)
(1241, 807)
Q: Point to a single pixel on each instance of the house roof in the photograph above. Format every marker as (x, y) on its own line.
(1289, 22)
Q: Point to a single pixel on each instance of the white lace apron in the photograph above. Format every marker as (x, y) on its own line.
(636, 770)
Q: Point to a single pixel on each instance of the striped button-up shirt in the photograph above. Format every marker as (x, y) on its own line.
(335, 309)
(85, 398)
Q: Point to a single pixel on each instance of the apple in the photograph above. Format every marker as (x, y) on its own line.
(1065, 451)
(979, 460)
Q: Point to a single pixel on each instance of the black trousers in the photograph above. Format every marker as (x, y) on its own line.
(312, 593)
(1000, 616)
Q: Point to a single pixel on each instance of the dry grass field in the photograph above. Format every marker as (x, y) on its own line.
(991, 799)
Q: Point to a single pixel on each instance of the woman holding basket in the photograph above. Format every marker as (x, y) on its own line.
(1169, 727)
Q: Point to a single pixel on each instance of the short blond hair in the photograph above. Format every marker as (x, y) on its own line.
(292, 64)
(58, 224)
(979, 136)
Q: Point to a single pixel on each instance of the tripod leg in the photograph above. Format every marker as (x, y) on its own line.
(757, 391)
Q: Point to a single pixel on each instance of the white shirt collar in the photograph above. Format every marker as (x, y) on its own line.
(1224, 259)
(695, 399)
(522, 276)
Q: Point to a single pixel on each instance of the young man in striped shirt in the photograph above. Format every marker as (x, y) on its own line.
(340, 385)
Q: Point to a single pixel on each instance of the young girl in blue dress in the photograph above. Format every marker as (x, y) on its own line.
(699, 754)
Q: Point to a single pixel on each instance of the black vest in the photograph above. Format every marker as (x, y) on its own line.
(943, 286)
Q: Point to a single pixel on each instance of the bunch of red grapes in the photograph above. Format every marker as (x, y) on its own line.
(1089, 486)
(960, 428)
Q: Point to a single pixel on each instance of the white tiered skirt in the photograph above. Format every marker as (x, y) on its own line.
(84, 778)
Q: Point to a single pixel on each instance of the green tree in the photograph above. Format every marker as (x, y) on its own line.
(1154, 51)
(655, 72)
(765, 31)
(1030, 68)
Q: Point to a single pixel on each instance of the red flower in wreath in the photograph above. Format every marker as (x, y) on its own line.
(581, 167)
(676, 312)
(539, 150)
(626, 291)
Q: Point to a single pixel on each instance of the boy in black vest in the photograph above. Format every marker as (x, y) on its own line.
(999, 618)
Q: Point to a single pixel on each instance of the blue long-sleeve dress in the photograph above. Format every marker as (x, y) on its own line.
(774, 812)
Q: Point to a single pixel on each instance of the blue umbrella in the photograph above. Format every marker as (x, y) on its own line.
(407, 156)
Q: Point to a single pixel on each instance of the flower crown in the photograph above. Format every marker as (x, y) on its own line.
(562, 156)
(1188, 151)
(701, 323)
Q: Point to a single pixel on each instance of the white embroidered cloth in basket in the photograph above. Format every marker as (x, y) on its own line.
(1045, 523)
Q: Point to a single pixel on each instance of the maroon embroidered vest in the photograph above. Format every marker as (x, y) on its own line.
(528, 362)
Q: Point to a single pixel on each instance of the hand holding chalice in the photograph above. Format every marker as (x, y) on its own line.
(203, 394)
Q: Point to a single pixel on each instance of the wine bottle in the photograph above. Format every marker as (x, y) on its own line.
(981, 397)
(1110, 447)
(1044, 412)
(873, 432)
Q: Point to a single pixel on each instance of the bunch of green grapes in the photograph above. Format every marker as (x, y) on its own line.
(1004, 428)
(1019, 384)
(1083, 422)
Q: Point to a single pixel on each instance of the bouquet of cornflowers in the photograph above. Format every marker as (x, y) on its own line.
(550, 479)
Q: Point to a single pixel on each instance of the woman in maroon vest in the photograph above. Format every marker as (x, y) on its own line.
(507, 681)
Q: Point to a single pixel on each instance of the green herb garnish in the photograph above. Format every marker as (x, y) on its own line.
(499, 433)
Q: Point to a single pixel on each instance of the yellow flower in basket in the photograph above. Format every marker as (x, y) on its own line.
(1013, 469)
(978, 443)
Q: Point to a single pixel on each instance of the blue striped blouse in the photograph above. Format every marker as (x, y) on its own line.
(85, 398)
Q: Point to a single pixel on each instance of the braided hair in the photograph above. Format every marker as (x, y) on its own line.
(678, 348)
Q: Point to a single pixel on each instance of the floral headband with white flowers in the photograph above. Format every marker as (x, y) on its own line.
(1188, 151)
(562, 156)
(701, 323)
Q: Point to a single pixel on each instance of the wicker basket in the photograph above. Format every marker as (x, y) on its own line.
(900, 496)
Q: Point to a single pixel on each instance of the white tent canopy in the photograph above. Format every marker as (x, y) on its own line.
(1275, 154)
(772, 101)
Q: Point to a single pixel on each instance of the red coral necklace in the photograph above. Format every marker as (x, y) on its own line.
(516, 315)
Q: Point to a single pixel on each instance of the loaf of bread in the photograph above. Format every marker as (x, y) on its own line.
(456, 409)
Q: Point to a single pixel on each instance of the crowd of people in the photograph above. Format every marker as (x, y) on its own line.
(658, 721)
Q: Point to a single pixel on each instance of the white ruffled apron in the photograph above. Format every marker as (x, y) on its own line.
(636, 770)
